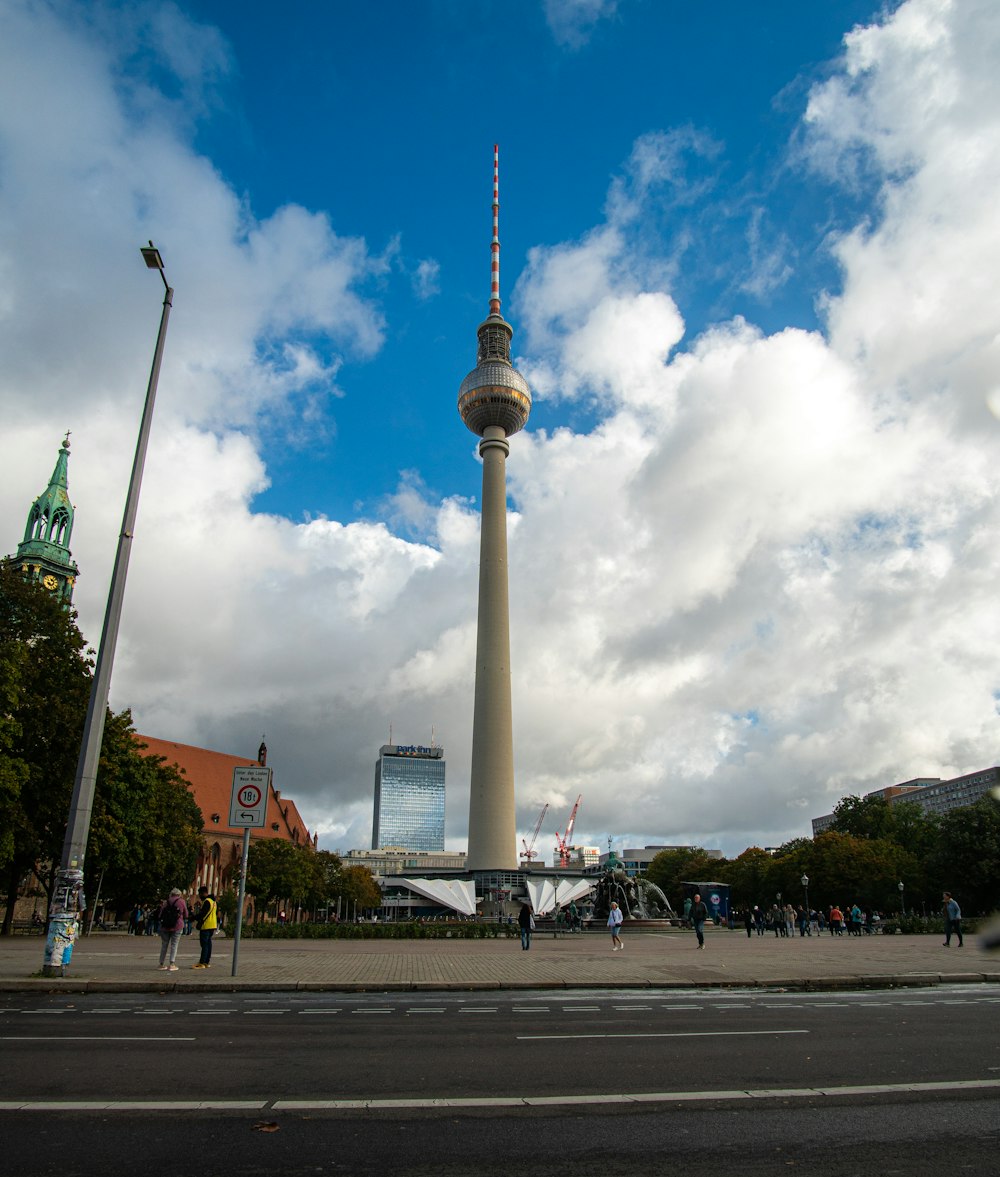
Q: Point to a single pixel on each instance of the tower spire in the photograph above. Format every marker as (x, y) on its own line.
(44, 553)
(494, 393)
(495, 243)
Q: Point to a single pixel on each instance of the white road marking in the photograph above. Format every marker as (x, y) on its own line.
(676, 1034)
(90, 1038)
(373, 1104)
(148, 1105)
(643, 1097)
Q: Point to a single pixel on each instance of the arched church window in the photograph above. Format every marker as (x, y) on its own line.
(60, 522)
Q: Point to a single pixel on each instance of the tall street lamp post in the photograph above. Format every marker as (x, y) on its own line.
(902, 901)
(805, 886)
(67, 897)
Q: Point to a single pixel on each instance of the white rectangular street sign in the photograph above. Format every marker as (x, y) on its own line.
(248, 804)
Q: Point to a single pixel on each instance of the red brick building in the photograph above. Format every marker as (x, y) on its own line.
(210, 775)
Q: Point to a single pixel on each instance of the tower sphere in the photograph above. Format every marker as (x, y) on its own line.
(494, 392)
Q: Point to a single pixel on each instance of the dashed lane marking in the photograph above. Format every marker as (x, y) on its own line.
(676, 1034)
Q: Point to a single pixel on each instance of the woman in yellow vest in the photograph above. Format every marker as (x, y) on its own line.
(206, 919)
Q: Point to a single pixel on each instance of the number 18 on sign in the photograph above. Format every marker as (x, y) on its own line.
(248, 806)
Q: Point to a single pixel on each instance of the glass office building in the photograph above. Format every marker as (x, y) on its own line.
(409, 798)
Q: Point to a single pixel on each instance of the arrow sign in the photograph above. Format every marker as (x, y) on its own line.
(248, 804)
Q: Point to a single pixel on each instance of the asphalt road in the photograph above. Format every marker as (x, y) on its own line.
(502, 1083)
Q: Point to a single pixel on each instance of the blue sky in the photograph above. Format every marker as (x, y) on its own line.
(748, 252)
(383, 116)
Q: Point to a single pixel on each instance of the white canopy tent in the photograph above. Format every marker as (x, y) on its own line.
(547, 895)
(458, 894)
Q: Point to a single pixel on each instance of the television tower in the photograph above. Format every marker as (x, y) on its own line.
(494, 401)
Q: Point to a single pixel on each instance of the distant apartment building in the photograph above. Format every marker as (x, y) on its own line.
(395, 860)
(932, 794)
(409, 798)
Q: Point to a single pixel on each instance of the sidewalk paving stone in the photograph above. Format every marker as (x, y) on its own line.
(108, 962)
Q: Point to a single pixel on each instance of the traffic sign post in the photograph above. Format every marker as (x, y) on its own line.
(247, 808)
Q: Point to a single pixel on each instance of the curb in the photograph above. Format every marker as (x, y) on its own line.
(51, 985)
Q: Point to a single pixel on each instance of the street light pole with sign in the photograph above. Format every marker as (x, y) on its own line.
(247, 809)
(68, 903)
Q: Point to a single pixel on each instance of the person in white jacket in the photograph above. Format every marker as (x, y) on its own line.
(615, 918)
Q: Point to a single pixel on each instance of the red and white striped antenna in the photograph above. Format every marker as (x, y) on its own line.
(495, 243)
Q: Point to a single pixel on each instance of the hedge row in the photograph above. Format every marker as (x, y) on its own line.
(406, 930)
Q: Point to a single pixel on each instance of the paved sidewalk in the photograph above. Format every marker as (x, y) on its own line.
(109, 962)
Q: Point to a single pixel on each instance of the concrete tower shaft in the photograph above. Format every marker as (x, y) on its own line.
(494, 401)
(492, 828)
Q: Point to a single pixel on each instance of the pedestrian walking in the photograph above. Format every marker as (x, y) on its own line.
(172, 916)
(952, 920)
(526, 922)
(698, 915)
(748, 921)
(206, 920)
(615, 918)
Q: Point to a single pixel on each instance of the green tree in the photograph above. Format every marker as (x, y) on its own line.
(145, 827)
(670, 868)
(863, 817)
(146, 830)
(326, 871)
(967, 856)
(357, 888)
(748, 876)
(44, 688)
(841, 869)
(279, 870)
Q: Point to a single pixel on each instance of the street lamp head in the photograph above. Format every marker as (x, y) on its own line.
(151, 256)
(805, 880)
(901, 886)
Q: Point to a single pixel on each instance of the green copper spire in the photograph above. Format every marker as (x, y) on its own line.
(44, 553)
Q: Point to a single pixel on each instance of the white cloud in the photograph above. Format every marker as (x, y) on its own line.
(572, 22)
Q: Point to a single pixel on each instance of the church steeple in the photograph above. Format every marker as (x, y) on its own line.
(44, 553)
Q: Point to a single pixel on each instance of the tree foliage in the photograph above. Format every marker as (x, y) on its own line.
(966, 859)
(44, 685)
(277, 869)
(670, 868)
(748, 876)
(145, 828)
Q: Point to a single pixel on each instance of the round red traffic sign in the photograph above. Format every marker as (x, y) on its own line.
(249, 796)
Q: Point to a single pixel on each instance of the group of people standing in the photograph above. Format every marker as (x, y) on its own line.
(173, 917)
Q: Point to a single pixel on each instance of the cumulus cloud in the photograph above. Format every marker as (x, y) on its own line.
(764, 575)
(768, 594)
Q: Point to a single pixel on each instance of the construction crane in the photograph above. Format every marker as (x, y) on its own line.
(529, 847)
(562, 843)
